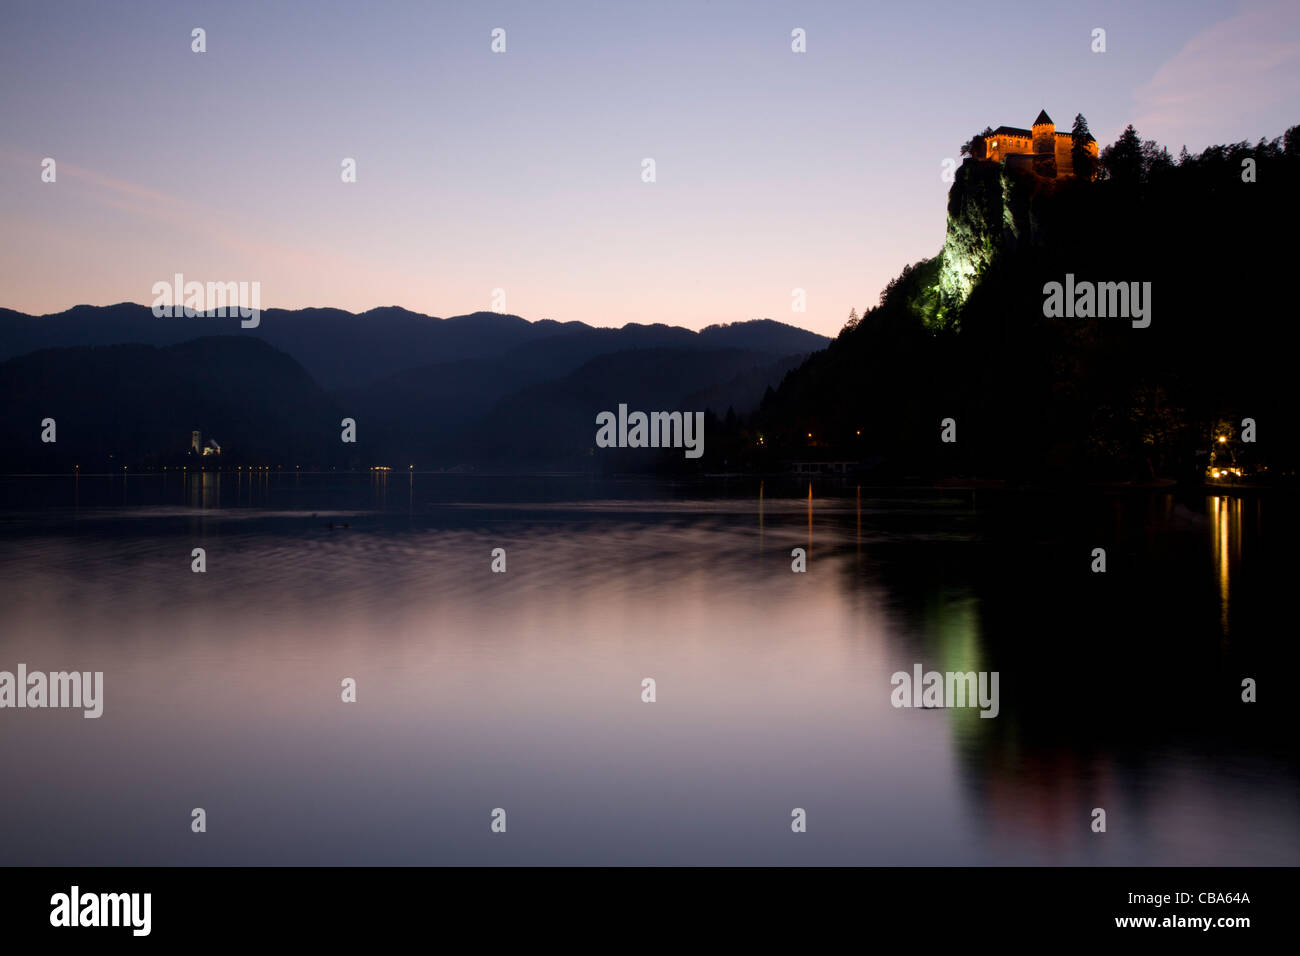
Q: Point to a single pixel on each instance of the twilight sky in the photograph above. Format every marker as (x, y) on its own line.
(522, 170)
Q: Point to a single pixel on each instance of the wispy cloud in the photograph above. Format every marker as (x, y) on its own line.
(188, 218)
(1219, 85)
(183, 215)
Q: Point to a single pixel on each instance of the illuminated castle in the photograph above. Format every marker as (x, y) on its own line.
(1040, 149)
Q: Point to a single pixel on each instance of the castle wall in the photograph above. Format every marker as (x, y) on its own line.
(1021, 162)
(1008, 146)
(1064, 156)
(1045, 140)
(1045, 151)
(1065, 153)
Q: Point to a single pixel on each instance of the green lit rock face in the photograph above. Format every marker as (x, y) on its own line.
(965, 255)
(990, 211)
(979, 217)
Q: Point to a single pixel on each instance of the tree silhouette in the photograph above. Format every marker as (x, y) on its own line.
(1122, 160)
(977, 146)
(1080, 137)
(1291, 143)
(1156, 160)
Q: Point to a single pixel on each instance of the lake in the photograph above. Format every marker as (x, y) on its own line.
(523, 690)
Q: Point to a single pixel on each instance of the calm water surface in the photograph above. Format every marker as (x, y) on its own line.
(523, 690)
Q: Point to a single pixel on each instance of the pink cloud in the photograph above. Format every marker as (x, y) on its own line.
(1231, 81)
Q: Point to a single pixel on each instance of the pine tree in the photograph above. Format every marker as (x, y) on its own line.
(1123, 158)
(1080, 156)
(1156, 160)
(1291, 142)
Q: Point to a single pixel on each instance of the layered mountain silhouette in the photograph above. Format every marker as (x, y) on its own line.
(127, 388)
(347, 350)
(555, 420)
(136, 405)
(966, 337)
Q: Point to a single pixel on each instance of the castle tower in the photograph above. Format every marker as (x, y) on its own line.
(1044, 138)
(1044, 131)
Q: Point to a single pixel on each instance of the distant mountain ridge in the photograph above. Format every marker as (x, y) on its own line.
(483, 389)
(342, 349)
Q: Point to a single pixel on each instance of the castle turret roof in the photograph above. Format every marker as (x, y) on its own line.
(1043, 119)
